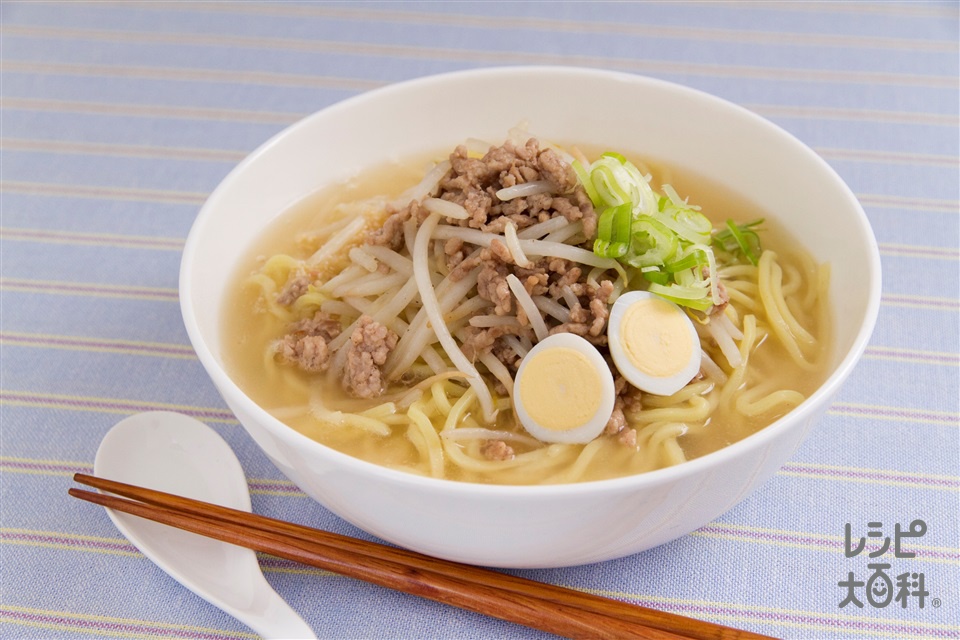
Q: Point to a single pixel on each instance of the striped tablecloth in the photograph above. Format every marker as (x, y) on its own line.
(119, 118)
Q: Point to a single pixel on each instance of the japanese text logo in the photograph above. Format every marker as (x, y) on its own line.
(884, 585)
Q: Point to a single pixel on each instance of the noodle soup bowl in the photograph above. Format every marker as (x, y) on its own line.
(551, 525)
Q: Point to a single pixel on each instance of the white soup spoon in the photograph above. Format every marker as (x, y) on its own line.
(174, 453)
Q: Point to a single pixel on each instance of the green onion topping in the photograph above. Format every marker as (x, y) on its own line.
(741, 238)
(613, 232)
(669, 240)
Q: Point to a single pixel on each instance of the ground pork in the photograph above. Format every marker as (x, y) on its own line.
(474, 182)
(480, 340)
(588, 318)
(617, 420)
(367, 351)
(492, 285)
(559, 173)
(628, 438)
(453, 250)
(724, 299)
(309, 353)
(305, 344)
(496, 450)
(390, 232)
(461, 266)
(321, 324)
(295, 287)
(628, 398)
(506, 354)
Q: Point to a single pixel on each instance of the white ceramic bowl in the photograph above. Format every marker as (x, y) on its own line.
(522, 526)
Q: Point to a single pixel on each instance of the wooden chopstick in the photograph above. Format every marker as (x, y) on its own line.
(547, 607)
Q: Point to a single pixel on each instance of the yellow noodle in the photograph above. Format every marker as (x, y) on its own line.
(423, 384)
(267, 300)
(440, 398)
(434, 448)
(459, 407)
(650, 444)
(529, 467)
(278, 268)
(575, 472)
(666, 433)
(453, 390)
(694, 410)
(738, 271)
(738, 297)
(415, 436)
(309, 303)
(380, 411)
(378, 427)
(268, 287)
(746, 287)
(802, 335)
(673, 453)
(783, 399)
(782, 324)
(799, 314)
(792, 280)
(811, 279)
(698, 388)
(350, 419)
(746, 346)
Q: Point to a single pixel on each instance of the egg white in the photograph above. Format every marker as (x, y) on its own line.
(595, 424)
(661, 386)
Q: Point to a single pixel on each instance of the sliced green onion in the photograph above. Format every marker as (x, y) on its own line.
(676, 199)
(584, 179)
(608, 187)
(688, 278)
(714, 276)
(657, 277)
(687, 223)
(663, 236)
(683, 293)
(695, 222)
(741, 237)
(652, 245)
(613, 231)
(616, 156)
(694, 297)
(691, 259)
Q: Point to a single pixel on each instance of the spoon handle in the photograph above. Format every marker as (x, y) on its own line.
(277, 621)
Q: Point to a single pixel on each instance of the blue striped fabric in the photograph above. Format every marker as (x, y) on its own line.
(117, 121)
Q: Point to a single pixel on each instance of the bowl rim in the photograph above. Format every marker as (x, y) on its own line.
(808, 409)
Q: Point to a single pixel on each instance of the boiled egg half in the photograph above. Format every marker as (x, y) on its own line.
(563, 390)
(653, 343)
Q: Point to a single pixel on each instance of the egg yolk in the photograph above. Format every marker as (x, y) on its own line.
(560, 389)
(656, 338)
